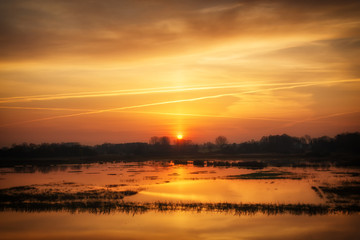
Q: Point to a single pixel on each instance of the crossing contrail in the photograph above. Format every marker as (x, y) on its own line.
(149, 112)
(47, 108)
(124, 92)
(210, 115)
(120, 108)
(85, 94)
(234, 94)
(155, 90)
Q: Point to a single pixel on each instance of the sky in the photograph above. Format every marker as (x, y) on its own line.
(123, 71)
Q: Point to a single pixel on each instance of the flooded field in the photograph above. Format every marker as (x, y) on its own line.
(187, 200)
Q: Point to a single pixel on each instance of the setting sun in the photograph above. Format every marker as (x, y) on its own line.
(179, 136)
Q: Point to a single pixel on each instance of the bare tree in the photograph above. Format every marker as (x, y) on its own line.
(221, 141)
(154, 140)
(164, 140)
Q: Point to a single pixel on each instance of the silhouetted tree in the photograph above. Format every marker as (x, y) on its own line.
(159, 140)
(348, 142)
(281, 144)
(154, 140)
(165, 141)
(249, 147)
(221, 141)
(160, 145)
(322, 145)
(209, 146)
(126, 149)
(48, 150)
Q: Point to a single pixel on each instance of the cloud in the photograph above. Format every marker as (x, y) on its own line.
(126, 30)
(220, 8)
(78, 53)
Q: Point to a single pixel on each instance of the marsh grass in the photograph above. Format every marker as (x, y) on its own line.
(35, 194)
(101, 201)
(103, 207)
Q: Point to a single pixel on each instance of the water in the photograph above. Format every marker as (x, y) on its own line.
(176, 225)
(165, 182)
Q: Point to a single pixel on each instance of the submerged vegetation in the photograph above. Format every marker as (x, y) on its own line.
(347, 192)
(36, 194)
(342, 194)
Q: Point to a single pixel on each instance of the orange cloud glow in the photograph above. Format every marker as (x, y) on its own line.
(122, 71)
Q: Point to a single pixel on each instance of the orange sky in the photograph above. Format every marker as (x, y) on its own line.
(123, 71)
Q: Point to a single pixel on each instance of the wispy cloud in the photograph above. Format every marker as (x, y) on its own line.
(47, 29)
(220, 8)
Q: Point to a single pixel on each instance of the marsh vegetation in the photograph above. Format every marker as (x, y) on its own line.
(195, 186)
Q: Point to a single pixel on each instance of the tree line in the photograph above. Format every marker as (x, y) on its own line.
(348, 143)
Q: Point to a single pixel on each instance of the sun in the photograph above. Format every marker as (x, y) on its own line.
(179, 136)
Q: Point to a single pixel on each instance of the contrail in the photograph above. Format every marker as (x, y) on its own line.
(24, 98)
(147, 112)
(47, 108)
(120, 108)
(155, 90)
(207, 115)
(236, 94)
(122, 92)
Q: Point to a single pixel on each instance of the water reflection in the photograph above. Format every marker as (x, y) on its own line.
(177, 226)
(44, 169)
(220, 190)
(197, 182)
(158, 166)
(200, 200)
